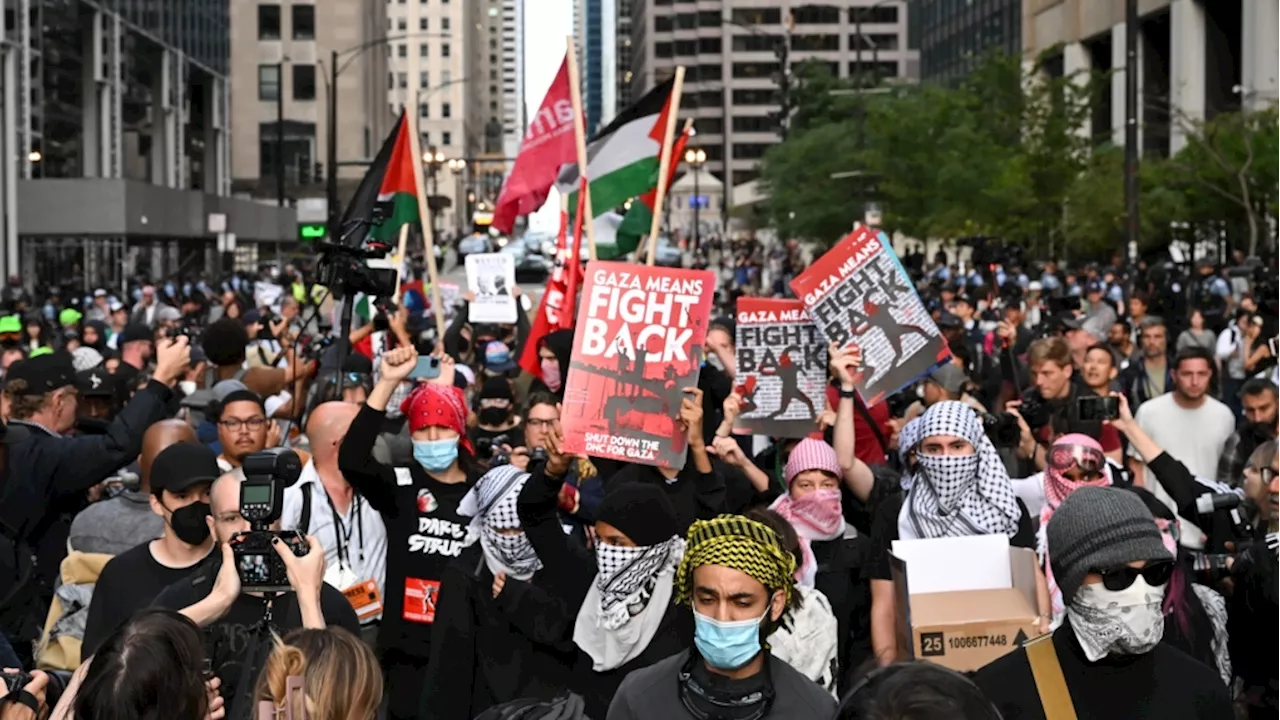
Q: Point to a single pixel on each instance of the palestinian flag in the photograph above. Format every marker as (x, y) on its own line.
(639, 218)
(622, 159)
(389, 184)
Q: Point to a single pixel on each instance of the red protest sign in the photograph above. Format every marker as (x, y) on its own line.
(638, 344)
(857, 293)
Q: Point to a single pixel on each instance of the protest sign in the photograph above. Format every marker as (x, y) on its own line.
(490, 276)
(638, 345)
(781, 363)
(857, 293)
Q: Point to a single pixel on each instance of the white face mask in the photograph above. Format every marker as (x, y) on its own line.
(1117, 622)
(188, 386)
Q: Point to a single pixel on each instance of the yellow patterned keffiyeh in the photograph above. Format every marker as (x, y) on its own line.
(736, 542)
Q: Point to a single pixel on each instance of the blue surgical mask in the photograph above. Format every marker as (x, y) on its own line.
(435, 455)
(727, 645)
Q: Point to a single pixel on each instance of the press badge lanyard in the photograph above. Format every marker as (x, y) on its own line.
(343, 533)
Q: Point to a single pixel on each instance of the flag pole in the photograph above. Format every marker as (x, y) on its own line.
(580, 135)
(664, 163)
(424, 221)
(404, 242)
(572, 261)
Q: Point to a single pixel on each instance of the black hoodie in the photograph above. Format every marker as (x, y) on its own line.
(560, 343)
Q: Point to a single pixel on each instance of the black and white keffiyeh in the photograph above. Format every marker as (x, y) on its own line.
(626, 576)
(492, 506)
(958, 495)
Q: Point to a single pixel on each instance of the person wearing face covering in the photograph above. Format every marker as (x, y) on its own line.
(621, 590)
(419, 505)
(554, 350)
(1113, 567)
(1073, 461)
(739, 582)
(180, 479)
(499, 634)
(496, 414)
(835, 556)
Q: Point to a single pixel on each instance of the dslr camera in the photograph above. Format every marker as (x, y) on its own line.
(1002, 429)
(266, 475)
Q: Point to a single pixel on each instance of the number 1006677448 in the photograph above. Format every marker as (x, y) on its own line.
(976, 641)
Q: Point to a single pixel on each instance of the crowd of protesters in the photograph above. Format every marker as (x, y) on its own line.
(462, 566)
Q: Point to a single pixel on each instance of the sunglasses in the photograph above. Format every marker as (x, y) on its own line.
(1064, 457)
(1156, 574)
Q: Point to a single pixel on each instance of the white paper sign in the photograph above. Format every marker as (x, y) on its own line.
(976, 562)
(491, 276)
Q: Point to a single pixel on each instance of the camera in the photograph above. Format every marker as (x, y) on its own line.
(1002, 429)
(1097, 408)
(266, 475)
(1034, 410)
(492, 448)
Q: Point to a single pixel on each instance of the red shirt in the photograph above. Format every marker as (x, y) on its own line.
(867, 446)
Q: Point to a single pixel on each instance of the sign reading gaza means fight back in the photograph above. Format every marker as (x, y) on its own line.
(857, 293)
(781, 367)
(638, 345)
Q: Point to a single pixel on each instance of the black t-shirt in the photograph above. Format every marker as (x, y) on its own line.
(129, 582)
(884, 530)
(229, 641)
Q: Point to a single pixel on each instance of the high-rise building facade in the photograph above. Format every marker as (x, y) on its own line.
(114, 143)
(1195, 59)
(280, 71)
(514, 111)
(952, 36)
(622, 53)
(599, 63)
(730, 53)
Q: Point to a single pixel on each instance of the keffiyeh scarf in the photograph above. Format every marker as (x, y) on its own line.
(1056, 489)
(492, 506)
(624, 607)
(958, 495)
(816, 516)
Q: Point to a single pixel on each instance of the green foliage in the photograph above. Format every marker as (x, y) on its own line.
(1003, 153)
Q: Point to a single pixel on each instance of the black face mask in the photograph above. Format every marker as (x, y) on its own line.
(188, 523)
(494, 415)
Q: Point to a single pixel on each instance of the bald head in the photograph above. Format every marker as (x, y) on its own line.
(224, 507)
(158, 437)
(327, 426)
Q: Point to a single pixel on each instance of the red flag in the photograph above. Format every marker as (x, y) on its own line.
(548, 145)
(556, 309)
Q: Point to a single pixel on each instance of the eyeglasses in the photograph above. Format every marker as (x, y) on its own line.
(234, 424)
(1063, 457)
(539, 423)
(1156, 574)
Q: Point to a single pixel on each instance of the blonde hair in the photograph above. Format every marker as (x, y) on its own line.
(341, 678)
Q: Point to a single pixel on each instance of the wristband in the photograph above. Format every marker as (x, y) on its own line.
(848, 394)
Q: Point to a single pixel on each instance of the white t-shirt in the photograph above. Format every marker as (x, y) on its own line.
(1193, 437)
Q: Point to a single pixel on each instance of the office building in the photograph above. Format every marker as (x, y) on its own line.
(515, 113)
(1196, 59)
(952, 36)
(114, 154)
(280, 55)
(599, 63)
(481, 179)
(622, 53)
(729, 49)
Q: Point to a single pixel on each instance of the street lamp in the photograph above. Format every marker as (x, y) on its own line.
(433, 159)
(458, 165)
(694, 158)
(34, 156)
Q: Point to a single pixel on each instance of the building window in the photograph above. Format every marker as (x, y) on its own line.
(444, 49)
(426, 139)
(446, 138)
(402, 24)
(268, 82)
(304, 82)
(493, 106)
(422, 23)
(402, 80)
(303, 18)
(422, 50)
(423, 80)
(446, 78)
(269, 22)
(493, 44)
(493, 75)
(444, 24)
(424, 110)
(446, 110)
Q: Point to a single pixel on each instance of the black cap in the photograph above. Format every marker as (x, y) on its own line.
(640, 510)
(947, 320)
(134, 332)
(182, 465)
(1068, 321)
(43, 373)
(96, 382)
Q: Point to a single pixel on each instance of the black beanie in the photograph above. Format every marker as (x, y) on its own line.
(726, 323)
(641, 511)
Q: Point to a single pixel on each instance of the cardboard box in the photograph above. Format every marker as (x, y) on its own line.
(976, 602)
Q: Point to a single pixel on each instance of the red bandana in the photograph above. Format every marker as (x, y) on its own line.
(431, 405)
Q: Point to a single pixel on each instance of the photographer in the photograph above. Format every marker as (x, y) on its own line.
(583, 488)
(1261, 415)
(419, 504)
(236, 622)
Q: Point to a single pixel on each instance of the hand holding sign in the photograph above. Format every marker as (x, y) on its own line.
(691, 416)
(845, 363)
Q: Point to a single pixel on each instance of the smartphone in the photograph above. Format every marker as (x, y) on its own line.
(1097, 408)
(428, 368)
(1274, 346)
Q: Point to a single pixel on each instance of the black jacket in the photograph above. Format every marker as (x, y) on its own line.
(52, 472)
(1164, 683)
(486, 651)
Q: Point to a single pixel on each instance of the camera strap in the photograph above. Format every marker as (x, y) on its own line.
(343, 533)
